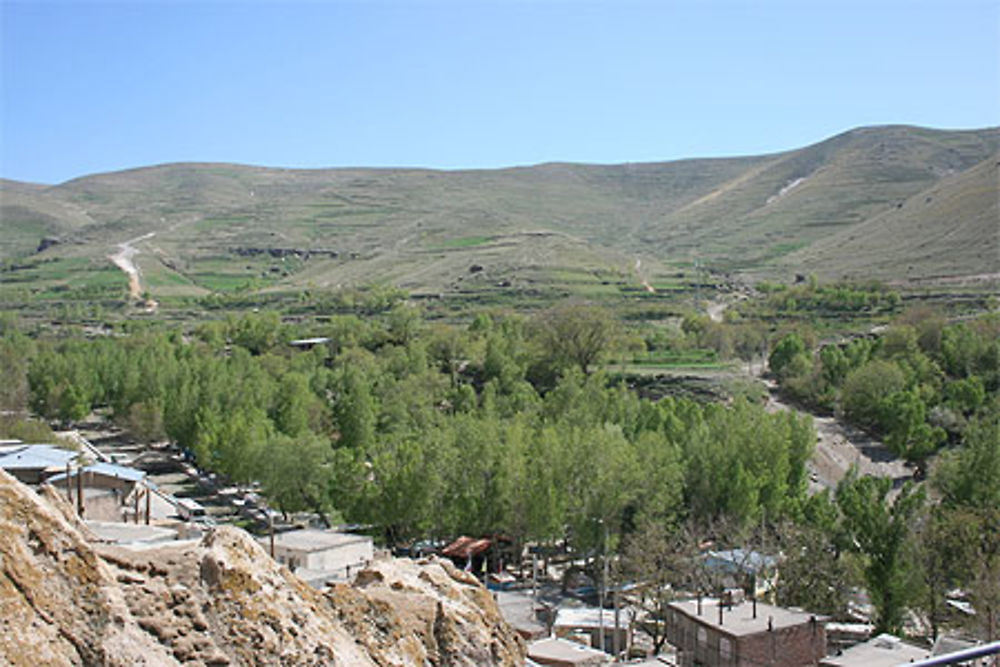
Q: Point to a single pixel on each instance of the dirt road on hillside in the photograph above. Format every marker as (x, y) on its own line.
(123, 260)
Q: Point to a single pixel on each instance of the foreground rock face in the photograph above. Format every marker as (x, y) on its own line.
(222, 601)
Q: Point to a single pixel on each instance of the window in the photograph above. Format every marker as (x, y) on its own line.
(702, 637)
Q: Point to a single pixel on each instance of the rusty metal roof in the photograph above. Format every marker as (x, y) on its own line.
(464, 547)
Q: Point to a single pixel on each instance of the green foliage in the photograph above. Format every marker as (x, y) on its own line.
(575, 335)
(296, 472)
(25, 430)
(902, 416)
(879, 529)
(814, 576)
(865, 388)
(789, 356)
(967, 476)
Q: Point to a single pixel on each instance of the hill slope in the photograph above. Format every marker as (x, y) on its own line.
(216, 227)
(951, 229)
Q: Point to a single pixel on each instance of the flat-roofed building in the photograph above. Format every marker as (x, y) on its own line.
(34, 464)
(557, 652)
(745, 634)
(318, 556)
(588, 623)
(882, 651)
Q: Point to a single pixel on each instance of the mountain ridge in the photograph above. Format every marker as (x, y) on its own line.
(421, 229)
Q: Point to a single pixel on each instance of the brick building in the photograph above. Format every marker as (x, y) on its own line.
(747, 634)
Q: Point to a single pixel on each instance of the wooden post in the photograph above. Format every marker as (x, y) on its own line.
(135, 495)
(69, 485)
(148, 500)
(79, 491)
(270, 526)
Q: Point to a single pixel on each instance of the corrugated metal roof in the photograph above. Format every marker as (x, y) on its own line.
(733, 560)
(36, 456)
(108, 470)
(464, 547)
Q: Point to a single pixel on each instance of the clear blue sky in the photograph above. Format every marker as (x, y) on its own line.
(95, 87)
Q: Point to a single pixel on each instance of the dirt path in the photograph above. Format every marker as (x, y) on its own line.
(715, 310)
(123, 260)
(839, 446)
(642, 279)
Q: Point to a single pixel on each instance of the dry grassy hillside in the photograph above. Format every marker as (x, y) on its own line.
(219, 228)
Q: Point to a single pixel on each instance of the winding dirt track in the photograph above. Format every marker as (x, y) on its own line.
(838, 445)
(123, 260)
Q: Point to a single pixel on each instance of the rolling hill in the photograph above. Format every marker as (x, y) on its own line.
(891, 202)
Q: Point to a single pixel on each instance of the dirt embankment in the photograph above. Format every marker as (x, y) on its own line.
(67, 600)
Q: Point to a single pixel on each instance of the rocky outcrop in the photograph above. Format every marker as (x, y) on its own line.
(66, 600)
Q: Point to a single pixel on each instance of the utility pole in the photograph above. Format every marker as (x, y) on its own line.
(615, 640)
(604, 582)
(534, 578)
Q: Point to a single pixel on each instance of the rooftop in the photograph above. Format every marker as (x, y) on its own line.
(130, 533)
(589, 617)
(302, 342)
(465, 546)
(106, 469)
(309, 539)
(36, 456)
(518, 609)
(739, 620)
(882, 651)
(736, 560)
(564, 652)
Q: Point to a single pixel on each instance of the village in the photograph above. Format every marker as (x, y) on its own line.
(141, 497)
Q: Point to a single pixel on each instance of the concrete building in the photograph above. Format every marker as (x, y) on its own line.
(319, 556)
(110, 492)
(882, 651)
(747, 634)
(586, 623)
(557, 652)
(521, 611)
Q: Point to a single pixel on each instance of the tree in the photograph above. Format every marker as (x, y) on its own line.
(813, 575)
(355, 409)
(16, 352)
(907, 433)
(661, 560)
(786, 353)
(575, 334)
(864, 389)
(967, 476)
(296, 473)
(967, 480)
(879, 529)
